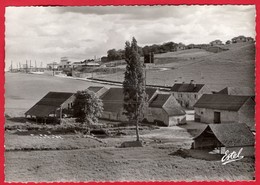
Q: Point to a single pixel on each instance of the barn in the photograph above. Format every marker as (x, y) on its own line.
(113, 100)
(54, 105)
(223, 108)
(188, 94)
(165, 109)
(232, 137)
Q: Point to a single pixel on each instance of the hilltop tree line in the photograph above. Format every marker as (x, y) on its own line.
(114, 54)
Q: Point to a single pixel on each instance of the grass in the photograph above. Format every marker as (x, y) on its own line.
(235, 67)
(119, 164)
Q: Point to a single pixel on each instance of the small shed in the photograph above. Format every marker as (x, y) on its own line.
(232, 137)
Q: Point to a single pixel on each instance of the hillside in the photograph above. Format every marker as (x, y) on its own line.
(215, 69)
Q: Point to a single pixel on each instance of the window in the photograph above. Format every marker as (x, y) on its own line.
(195, 96)
(201, 112)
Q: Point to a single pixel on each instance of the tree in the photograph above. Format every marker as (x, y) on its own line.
(133, 85)
(87, 107)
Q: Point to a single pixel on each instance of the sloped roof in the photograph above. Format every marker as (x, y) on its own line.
(184, 87)
(49, 103)
(159, 100)
(113, 99)
(95, 88)
(174, 111)
(231, 134)
(221, 102)
(246, 91)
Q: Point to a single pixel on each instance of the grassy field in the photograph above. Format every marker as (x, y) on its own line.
(235, 67)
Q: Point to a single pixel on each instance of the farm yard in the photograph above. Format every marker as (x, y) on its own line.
(34, 154)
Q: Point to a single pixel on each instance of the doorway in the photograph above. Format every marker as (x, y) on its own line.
(217, 117)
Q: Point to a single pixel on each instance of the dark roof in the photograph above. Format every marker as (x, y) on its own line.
(159, 100)
(95, 88)
(231, 134)
(113, 99)
(186, 87)
(246, 91)
(50, 102)
(221, 102)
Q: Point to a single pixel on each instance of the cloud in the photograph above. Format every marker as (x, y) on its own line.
(48, 33)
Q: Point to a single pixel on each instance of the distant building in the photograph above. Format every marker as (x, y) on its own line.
(164, 109)
(230, 136)
(244, 91)
(242, 38)
(188, 94)
(216, 42)
(222, 108)
(98, 90)
(53, 105)
(52, 66)
(92, 64)
(64, 63)
(180, 46)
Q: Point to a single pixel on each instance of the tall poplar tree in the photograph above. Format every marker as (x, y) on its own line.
(134, 85)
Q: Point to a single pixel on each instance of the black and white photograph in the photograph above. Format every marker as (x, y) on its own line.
(130, 93)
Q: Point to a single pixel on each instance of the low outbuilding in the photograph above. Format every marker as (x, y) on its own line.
(231, 137)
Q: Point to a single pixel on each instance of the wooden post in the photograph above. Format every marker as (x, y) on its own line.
(60, 113)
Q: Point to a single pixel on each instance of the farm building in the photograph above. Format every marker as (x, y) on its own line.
(215, 43)
(180, 46)
(52, 105)
(98, 90)
(222, 108)
(165, 109)
(188, 94)
(232, 137)
(113, 101)
(244, 91)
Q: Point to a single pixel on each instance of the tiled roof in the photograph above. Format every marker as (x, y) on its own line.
(184, 87)
(221, 102)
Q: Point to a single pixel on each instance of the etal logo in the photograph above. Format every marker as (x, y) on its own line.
(231, 157)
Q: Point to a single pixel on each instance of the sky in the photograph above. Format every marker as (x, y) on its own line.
(45, 34)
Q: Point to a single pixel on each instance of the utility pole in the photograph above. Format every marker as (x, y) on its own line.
(30, 66)
(11, 66)
(26, 67)
(53, 68)
(35, 66)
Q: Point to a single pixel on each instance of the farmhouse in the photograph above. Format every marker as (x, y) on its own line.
(246, 91)
(216, 48)
(222, 108)
(180, 46)
(188, 94)
(98, 90)
(215, 42)
(113, 100)
(52, 105)
(165, 109)
(232, 137)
